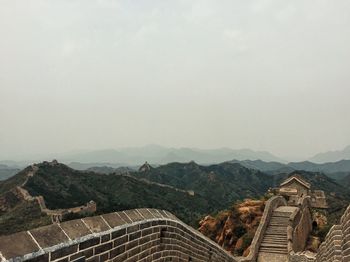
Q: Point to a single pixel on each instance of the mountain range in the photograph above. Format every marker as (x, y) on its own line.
(188, 190)
(161, 155)
(331, 156)
(336, 170)
(157, 155)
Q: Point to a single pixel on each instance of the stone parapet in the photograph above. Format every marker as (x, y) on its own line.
(271, 205)
(336, 246)
(132, 235)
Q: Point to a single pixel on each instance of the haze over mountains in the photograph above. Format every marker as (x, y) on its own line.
(332, 156)
(155, 154)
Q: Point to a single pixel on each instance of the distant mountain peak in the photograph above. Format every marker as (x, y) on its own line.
(332, 156)
(145, 167)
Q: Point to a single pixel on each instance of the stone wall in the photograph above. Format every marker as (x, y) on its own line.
(271, 205)
(298, 230)
(302, 257)
(336, 246)
(133, 235)
(302, 225)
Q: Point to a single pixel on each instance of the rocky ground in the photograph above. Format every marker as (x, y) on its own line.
(235, 228)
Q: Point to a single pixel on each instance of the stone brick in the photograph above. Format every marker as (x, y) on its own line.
(89, 243)
(132, 244)
(120, 241)
(42, 258)
(93, 259)
(155, 213)
(134, 235)
(80, 259)
(117, 251)
(120, 258)
(63, 260)
(133, 215)
(18, 244)
(132, 229)
(114, 220)
(75, 229)
(104, 257)
(103, 247)
(105, 238)
(85, 253)
(64, 252)
(49, 236)
(145, 213)
(118, 233)
(96, 224)
(124, 217)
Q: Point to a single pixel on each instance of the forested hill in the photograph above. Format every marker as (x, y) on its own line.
(188, 190)
(225, 182)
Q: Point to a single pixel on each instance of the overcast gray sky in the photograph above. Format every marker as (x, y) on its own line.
(266, 75)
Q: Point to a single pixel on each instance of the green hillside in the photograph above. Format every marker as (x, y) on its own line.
(226, 182)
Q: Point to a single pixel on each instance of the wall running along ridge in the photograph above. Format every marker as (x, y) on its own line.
(133, 235)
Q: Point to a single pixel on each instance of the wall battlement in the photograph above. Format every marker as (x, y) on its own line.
(150, 235)
(336, 246)
(133, 235)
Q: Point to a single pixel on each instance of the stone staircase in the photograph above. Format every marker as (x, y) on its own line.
(274, 244)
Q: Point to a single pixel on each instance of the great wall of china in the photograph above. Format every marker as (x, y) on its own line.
(157, 235)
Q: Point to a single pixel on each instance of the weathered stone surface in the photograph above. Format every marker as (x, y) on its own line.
(145, 213)
(133, 215)
(124, 217)
(113, 219)
(49, 236)
(96, 224)
(17, 244)
(268, 257)
(75, 229)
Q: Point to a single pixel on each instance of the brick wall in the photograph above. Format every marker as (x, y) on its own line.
(336, 246)
(133, 235)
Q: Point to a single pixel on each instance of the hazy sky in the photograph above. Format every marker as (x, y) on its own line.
(266, 75)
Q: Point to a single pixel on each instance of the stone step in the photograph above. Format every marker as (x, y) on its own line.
(282, 239)
(270, 230)
(274, 248)
(277, 227)
(279, 219)
(281, 214)
(274, 242)
(278, 251)
(279, 223)
(274, 245)
(274, 237)
(275, 251)
(277, 234)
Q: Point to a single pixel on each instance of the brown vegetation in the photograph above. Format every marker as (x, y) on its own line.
(234, 229)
